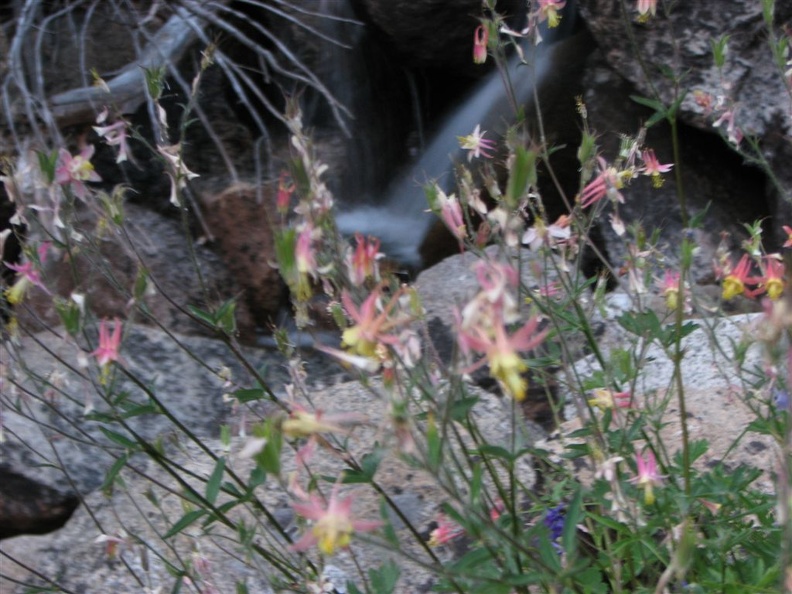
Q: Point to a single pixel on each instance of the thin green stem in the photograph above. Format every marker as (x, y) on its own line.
(680, 192)
(677, 360)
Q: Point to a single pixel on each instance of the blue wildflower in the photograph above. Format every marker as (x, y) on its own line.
(780, 399)
(554, 520)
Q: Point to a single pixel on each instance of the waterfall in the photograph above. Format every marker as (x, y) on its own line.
(400, 218)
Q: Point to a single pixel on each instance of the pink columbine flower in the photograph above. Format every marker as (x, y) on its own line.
(501, 352)
(646, 9)
(788, 231)
(108, 344)
(648, 477)
(333, 524)
(28, 274)
(303, 423)
(304, 252)
(451, 213)
(733, 133)
(653, 168)
(476, 145)
(737, 280)
(362, 263)
(704, 100)
(114, 135)
(772, 281)
(446, 531)
(176, 170)
(670, 288)
(607, 183)
(372, 324)
(540, 233)
(548, 11)
(75, 170)
(285, 191)
(605, 399)
(480, 40)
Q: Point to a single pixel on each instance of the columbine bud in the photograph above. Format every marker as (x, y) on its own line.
(480, 40)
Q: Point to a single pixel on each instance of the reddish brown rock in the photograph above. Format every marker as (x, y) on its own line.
(241, 220)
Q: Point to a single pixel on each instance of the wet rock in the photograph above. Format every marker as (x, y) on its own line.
(436, 33)
(714, 179)
(681, 42)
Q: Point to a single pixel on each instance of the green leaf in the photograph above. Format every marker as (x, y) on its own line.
(387, 529)
(248, 394)
(202, 315)
(225, 318)
(434, 444)
(475, 484)
(69, 313)
(655, 118)
(384, 579)
(285, 253)
(213, 484)
(650, 103)
(155, 81)
(492, 588)
(47, 164)
(269, 456)
(496, 452)
(461, 407)
(257, 478)
(371, 461)
(112, 474)
(697, 219)
(186, 520)
(572, 518)
(368, 468)
(121, 440)
(523, 173)
(135, 410)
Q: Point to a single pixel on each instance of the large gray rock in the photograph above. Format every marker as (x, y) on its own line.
(720, 398)
(130, 514)
(51, 440)
(681, 42)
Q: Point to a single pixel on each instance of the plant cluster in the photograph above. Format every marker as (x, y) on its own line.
(648, 517)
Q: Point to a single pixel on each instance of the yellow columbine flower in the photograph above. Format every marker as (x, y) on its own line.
(16, 292)
(508, 368)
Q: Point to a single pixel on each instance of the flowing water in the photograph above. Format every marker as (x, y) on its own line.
(400, 219)
(397, 214)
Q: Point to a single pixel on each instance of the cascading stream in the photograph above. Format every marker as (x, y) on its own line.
(400, 219)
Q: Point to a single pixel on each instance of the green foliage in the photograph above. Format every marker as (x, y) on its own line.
(223, 318)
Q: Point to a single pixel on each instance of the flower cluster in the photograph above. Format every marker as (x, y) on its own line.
(482, 328)
(648, 476)
(333, 523)
(725, 110)
(476, 145)
(74, 170)
(28, 275)
(114, 135)
(379, 336)
(737, 279)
